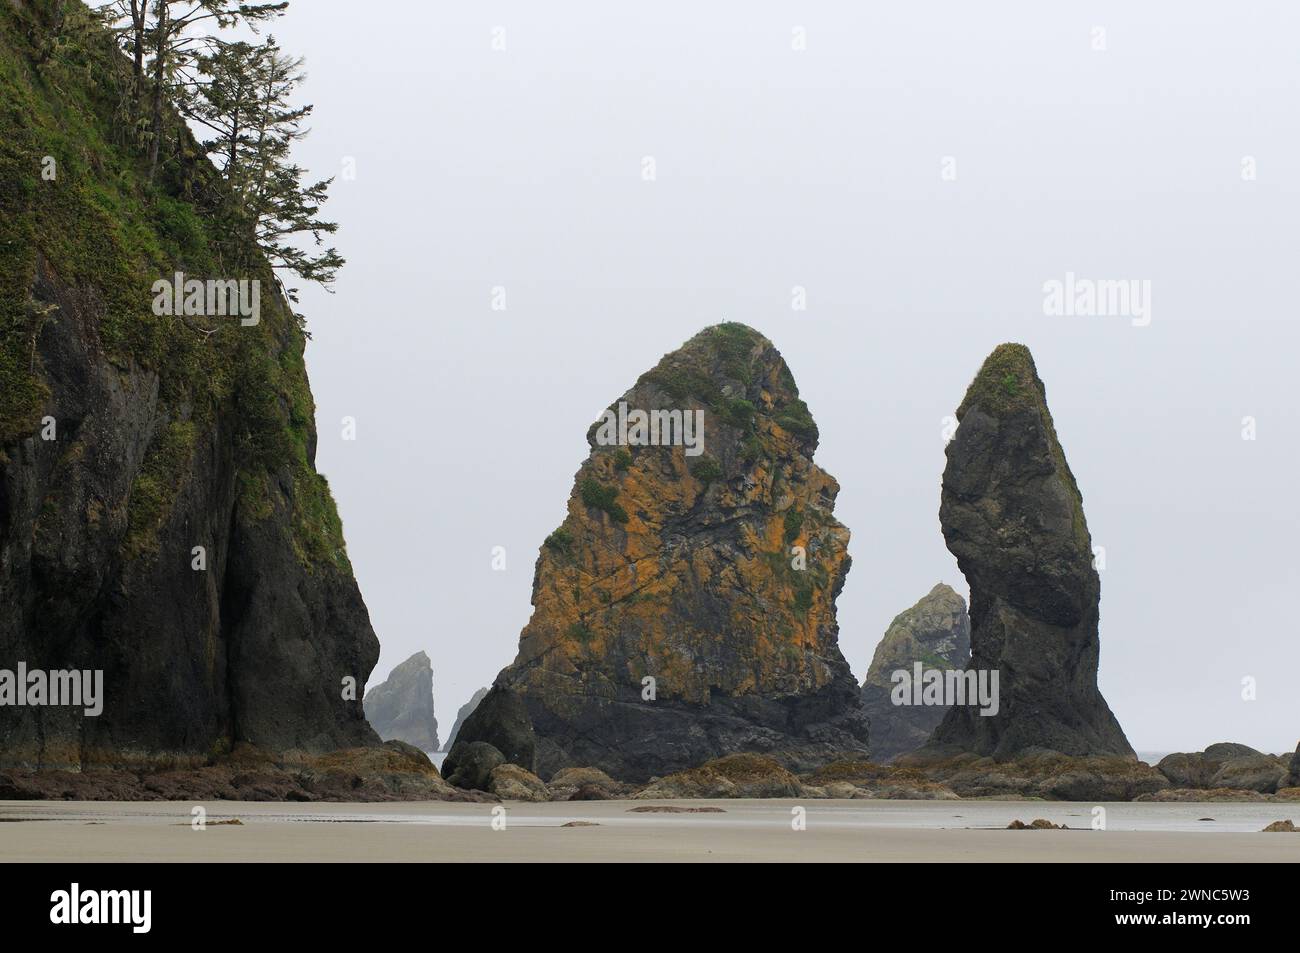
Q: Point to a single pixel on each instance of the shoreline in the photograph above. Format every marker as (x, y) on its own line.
(737, 830)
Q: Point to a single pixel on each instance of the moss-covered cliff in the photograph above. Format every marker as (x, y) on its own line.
(129, 438)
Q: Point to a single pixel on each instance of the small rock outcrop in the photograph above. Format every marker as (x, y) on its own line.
(1012, 514)
(393, 771)
(474, 765)
(586, 784)
(401, 707)
(862, 779)
(936, 633)
(465, 711)
(733, 776)
(1226, 765)
(1038, 824)
(1292, 780)
(513, 783)
(1046, 775)
(685, 608)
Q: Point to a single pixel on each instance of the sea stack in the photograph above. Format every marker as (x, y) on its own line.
(401, 708)
(685, 608)
(1012, 514)
(164, 533)
(934, 633)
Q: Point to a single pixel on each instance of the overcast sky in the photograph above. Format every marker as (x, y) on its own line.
(1110, 140)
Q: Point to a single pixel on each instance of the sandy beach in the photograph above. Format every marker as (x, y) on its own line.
(756, 830)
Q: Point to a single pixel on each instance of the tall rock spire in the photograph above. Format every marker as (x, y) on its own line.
(401, 707)
(685, 608)
(1012, 514)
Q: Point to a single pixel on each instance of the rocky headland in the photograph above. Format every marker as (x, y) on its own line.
(163, 528)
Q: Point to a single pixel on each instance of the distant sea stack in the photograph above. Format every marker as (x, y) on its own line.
(401, 708)
(936, 633)
(465, 711)
(685, 608)
(1012, 514)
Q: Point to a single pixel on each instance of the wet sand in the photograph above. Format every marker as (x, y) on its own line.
(753, 830)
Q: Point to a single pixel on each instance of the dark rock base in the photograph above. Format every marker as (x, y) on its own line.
(394, 772)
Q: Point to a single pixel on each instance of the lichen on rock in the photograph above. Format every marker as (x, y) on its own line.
(685, 608)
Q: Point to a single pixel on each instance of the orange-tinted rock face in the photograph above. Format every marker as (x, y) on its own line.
(685, 607)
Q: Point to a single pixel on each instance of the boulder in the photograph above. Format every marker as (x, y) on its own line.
(1187, 770)
(471, 764)
(1225, 765)
(501, 720)
(1038, 824)
(513, 783)
(586, 784)
(1260, 772)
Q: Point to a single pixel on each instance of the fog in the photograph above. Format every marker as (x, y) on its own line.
(921, 171)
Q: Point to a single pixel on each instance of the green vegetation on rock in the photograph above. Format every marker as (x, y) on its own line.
(706, 470)
(559, 541)
(602, 498)
(717, 368)
(100, 226)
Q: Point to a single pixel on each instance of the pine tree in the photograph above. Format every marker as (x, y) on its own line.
(163, 29)
(245, 101)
